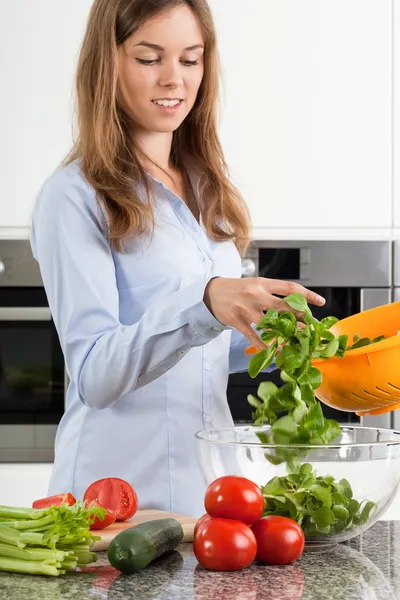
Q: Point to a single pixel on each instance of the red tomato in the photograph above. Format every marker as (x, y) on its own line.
(109, 518)
(57, 500)
(129, 500)
(280, 540)
(224, 545)
(233, 497)
(114, 494)
(206, 517)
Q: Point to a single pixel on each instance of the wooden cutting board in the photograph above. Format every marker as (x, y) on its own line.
(142, 516)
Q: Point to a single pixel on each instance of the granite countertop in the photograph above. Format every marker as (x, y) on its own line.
(367, 568)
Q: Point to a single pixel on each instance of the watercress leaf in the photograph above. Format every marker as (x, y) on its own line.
(286, 377)
(274, 487)
(253, 401)
(293, 465)
(340, 512)
(306, 469)
(330, 349)
(292, 358)
(269, 320)
(360, 344)
(322, 493)
(261, 360)
(263, 437)
(268, 336)
(378, 339)
(345, 489)
(366, 511)
(315, 419)
(285, 326)
(302, 342)
(327, 433)
(353, 506)
(266, 389)
(342, 345)
(285, 425)
(310, 320)
(328, 322)
(338, 498)
(314, 378)
(323, 516)
(327, 335)
(300, 412)
(307, 394)
(297, 302)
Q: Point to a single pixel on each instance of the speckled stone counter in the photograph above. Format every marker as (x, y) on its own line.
(366, 568)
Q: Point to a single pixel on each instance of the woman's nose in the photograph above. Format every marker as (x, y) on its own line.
(171, 76)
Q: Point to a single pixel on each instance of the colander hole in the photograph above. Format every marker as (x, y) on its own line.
(383, 391)
(361, 397)
(394, 386)
(371, 394)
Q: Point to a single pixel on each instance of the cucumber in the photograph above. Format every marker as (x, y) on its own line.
(135, 548)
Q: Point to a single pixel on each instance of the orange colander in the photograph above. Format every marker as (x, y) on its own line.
(367, 379)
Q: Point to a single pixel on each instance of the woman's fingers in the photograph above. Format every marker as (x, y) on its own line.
(285, 288)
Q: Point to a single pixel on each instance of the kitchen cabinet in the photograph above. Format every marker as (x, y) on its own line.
(307, 113)
(396, 115)
(39, 43)
(22, 483)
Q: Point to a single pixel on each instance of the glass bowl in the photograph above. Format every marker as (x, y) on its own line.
(368, 458)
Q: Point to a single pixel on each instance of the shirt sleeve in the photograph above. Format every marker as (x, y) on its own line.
(105, 359)
(238, 360)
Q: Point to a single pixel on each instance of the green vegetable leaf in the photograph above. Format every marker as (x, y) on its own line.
(261, 360)
(297, 302)
(323, 516)
(329, 322)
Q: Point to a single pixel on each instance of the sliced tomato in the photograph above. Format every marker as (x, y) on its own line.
(114, 494)
(109, 518)
(57, 500)
(129, 500)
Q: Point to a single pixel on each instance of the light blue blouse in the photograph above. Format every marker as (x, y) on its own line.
(148, 363)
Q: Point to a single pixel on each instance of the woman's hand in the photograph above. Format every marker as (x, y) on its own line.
(241, 302)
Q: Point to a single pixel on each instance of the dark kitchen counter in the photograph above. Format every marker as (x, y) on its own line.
(367, 568)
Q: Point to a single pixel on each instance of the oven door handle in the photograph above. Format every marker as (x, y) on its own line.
(24, 313)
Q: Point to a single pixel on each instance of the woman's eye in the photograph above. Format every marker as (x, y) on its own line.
(142, 61)
(190, 63)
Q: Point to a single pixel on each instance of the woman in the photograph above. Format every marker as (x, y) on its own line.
(139, 238)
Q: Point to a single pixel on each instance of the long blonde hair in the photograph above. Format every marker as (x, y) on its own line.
(109, 159)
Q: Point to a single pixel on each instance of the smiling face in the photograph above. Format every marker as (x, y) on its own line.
(161, 69)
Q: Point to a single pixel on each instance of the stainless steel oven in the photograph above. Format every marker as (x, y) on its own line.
(352, 275)
(31, 360)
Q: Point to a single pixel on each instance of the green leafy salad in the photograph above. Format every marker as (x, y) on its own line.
(320, 505)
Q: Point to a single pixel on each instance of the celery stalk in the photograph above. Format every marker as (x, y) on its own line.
(34, 553)
(32, 567)
(32, 523)
(69, 565)
(27, 537)
(11, 536)
(14, 512)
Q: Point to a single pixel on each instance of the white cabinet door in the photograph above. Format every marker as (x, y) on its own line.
(396, 128)
(22, 483)
(307, 124)
(39, 42)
